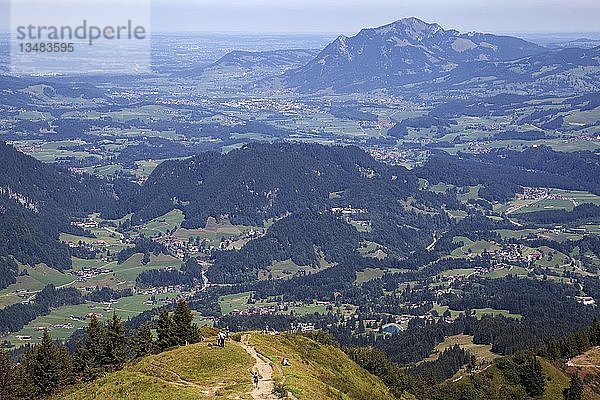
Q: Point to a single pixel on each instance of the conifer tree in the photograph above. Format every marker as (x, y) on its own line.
(165, 329)
(115, 348)
(83, 365)
(95, 337)
(575, 391)
(143, 341)
(532, 377)
(186, 332)
(594, 333)
(66, 363)
(23, 374)
(47, 371)
(7, 378)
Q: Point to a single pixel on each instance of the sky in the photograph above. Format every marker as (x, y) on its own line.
(349, 16)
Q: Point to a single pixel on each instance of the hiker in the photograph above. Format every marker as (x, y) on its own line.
(221, 339)
(255, 379)
(285, 362)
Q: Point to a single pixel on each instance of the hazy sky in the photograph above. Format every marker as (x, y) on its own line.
(348, 16)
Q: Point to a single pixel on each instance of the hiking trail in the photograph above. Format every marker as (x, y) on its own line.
(265, 371)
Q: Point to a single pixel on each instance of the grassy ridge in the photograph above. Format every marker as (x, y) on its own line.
(192, 372)
(318, 371)
(201, 371)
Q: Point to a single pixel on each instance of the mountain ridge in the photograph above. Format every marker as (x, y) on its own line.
(405, 51)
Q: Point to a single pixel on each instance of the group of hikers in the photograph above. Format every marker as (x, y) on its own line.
(255, 376)
(221, 339)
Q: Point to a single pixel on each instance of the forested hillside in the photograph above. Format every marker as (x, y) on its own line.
(37, 202)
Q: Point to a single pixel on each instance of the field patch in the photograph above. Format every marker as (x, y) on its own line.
(483, 352)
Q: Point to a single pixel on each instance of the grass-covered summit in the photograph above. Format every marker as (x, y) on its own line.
(203, 371)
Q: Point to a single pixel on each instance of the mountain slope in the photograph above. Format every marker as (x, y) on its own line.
(36, 203)
(318, 371)
(568, 71)
(201, 371)
(406, 51)
(264, 62)
(266, 59)
(256, 182)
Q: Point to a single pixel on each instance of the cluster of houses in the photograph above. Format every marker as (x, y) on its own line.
(533, 193)
(155, 291)
(286, 107)
(586, 300)
(584, 138)
(512, 254)
(22, 293)
(87, 224)
(66, 325)
(271, 309)
(394, 156)
(479, 147)
(348, 210)
(181, 248)
(302, 327)
(178, 247)
(229, 243)
(87, 273)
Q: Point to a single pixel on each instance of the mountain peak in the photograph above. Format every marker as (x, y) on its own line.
(415, 23)
(405, 51)
(412, 27)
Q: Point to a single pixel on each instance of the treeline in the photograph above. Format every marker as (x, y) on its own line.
(400, 129)
(48, 368)
(418, 341)
(144, 246)
(8, 271)
(549, 310)
(102, 294)
(448, 363)
(518, 377)
(571, 345)
(31, 237)
(189, 275)
(302, 237)
(504, 172)
(251, 184)
(514, 135)
(580, 168)
(16, 316)
(376, 362)
(352, 113)
(37, 201)
(584, 213)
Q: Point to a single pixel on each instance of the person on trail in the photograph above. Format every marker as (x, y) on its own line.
(221, 340)
(255, 379)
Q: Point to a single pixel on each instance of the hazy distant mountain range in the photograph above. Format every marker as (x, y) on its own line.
(272, 60)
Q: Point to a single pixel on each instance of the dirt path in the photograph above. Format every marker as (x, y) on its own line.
(265, 371)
